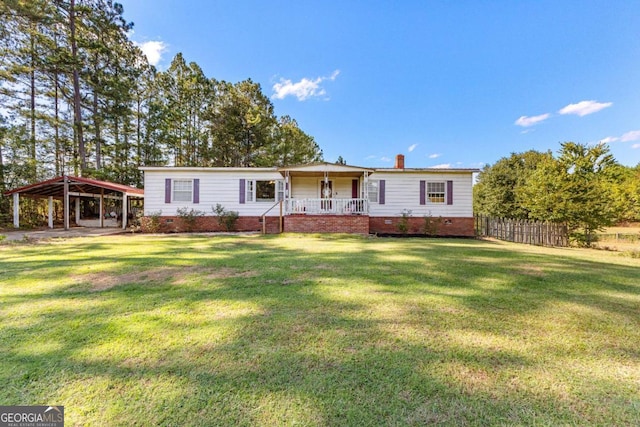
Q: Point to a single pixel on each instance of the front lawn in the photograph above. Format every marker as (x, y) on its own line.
(319, 330)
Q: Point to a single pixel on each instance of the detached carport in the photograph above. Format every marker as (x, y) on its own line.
(65, 187)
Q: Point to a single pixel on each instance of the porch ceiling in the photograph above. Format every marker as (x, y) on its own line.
(319, 169)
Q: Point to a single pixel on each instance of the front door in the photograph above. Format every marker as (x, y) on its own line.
(326, 192)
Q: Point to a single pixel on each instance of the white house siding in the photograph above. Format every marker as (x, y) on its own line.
(402, 192)
(216, 186)
(309, 187)
(305, 187)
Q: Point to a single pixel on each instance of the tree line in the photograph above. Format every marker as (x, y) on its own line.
(78, 97)
(583, 186)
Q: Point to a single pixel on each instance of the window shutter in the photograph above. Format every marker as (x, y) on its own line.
(243, 193)
(449, 192)
(167, 190)
(423, 193)
(354, 188)
(381, 190)
(196, 191)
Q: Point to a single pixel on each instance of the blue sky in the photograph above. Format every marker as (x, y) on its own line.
(447, 83)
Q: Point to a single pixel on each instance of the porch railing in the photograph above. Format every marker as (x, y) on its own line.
(327, 206)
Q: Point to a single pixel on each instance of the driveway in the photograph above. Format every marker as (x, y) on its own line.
(60, 233)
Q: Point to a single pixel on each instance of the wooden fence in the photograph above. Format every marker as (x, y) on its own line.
(522, 231)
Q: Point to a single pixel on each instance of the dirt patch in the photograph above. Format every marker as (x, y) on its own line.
(209, 273)
(104, 281)
(174, 275)
(531, 270)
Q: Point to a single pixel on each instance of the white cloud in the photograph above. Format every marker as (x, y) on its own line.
(434, 155)
(583, 108)
(609, 139)
(385, 159)
(370, 157)
(635, 146)
(442, 166)
(303, 89)
(153, 50)
(634, 135)
(412, 147)
(526, 121)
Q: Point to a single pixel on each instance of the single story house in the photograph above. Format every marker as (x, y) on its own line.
(319, 197)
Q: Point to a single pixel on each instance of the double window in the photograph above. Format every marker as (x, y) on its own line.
(264, 191)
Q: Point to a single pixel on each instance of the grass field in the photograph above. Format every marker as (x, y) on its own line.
(319, 330)
(621, 239)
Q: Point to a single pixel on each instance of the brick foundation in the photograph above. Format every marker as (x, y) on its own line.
(458, 227)
(356, 224)
(174, 224)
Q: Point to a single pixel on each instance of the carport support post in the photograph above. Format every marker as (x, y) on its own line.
(50, 216)
(125, 210)
(66, 203)
(101, 207)
(77, 210)
(16, 210)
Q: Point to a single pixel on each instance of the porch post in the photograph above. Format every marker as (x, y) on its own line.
(16, 210)
(50, 216)
(365, 191)
(66, 203)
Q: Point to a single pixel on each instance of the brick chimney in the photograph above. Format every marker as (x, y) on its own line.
(399, 161)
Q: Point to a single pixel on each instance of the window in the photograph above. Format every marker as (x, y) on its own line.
(264, 191)
(435, 192)
(251, 185)
(182, 190)
(280, 189)
(373, 190)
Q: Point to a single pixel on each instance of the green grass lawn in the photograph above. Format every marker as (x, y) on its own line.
(319, 330)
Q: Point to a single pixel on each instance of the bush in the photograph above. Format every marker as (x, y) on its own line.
(189, 217)
(633, 254)
(431, 225)
(226, 219)
(403, 225)
(583, 237)
(153, 223)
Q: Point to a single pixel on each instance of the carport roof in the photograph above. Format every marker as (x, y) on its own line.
(55, 187)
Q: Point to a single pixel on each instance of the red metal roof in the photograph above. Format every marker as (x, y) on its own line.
(55, 187)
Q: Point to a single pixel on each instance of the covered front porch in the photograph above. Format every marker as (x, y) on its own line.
(326, 189)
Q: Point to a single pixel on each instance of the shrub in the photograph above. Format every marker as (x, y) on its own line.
(403, 225)
(189, 217)
(226, 219)
(153, 223)
(431, 225)
(583, 237)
